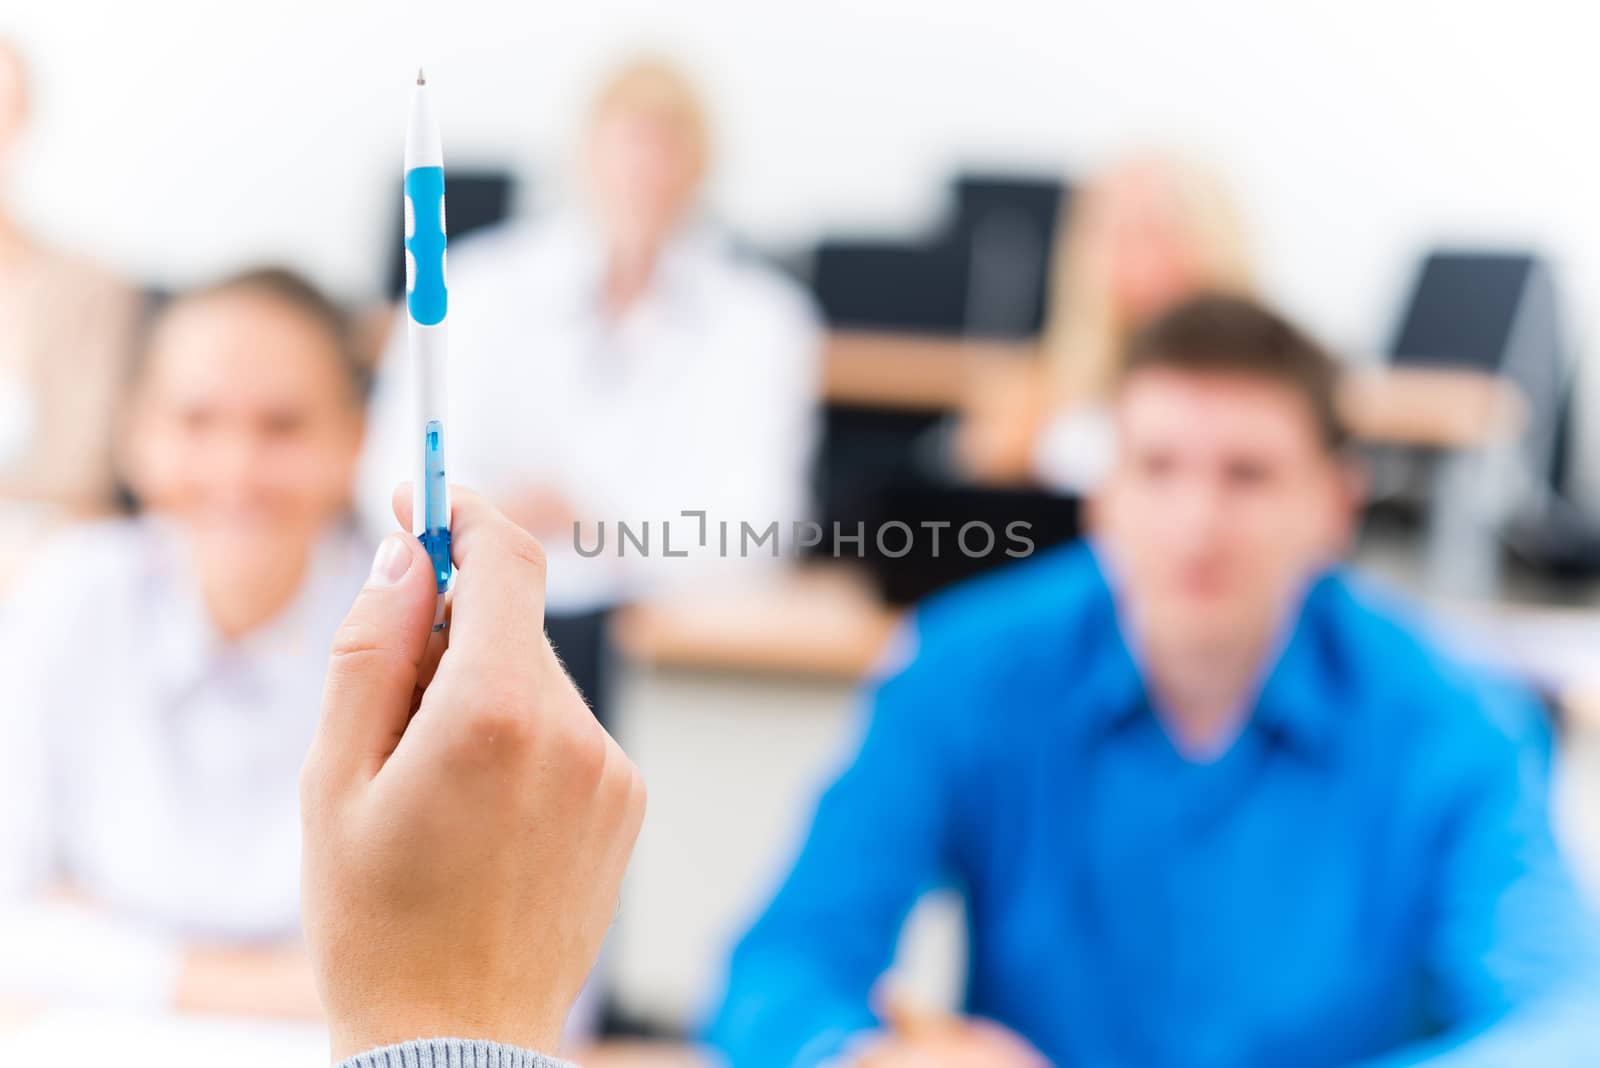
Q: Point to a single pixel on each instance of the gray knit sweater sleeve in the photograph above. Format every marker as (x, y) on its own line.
(451, 1053)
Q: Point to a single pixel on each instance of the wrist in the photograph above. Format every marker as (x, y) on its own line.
(464, 1051)
(351, 1038)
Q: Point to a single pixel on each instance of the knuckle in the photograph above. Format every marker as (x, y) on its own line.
(580, 747)
(525, 548)
(501, 726)
(355, 638)
(617, 777)
(637, 796)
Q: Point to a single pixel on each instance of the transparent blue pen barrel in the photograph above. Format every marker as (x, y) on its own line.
(435, 534)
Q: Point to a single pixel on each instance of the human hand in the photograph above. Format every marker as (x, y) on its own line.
(917, 1038)
(964, 1043)
(466, 820)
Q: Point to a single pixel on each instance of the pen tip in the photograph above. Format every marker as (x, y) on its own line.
(420, 79)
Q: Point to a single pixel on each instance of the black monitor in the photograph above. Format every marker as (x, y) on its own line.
(1462, 311)
(1008, 225)
(984, 272)
(1495, 312)
(885, 285)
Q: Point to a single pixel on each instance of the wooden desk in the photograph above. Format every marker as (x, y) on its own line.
(1431, 408)
(1386, 405)
(880, 369)
(821, 621)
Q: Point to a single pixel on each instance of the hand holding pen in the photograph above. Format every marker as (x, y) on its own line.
(466, 819)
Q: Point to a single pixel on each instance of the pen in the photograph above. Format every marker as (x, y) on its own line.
(426, 300)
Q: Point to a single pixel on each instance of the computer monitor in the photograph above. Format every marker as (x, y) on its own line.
(1462, 310)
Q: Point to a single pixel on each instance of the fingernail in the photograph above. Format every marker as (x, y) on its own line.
(392, 562)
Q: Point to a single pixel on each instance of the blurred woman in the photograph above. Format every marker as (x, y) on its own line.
(160, 675)
(617, 360)
(1147, 233)
(65, 327)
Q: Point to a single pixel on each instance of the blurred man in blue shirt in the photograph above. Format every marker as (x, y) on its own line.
(1209, 802)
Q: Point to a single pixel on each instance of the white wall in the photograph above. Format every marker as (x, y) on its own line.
(181, 136)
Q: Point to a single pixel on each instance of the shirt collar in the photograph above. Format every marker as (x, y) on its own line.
(186, 647)
(1113, 675)
(181, 641)
(1299, 701)
(1299, 692)
(675, 291)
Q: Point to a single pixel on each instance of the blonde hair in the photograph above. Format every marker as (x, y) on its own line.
(1086, 331)
(656, 88)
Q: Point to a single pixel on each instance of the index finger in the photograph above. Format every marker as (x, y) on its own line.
(498, 600)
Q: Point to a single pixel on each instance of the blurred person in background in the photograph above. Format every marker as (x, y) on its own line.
(159, 675)
(1209, 800)
(65, 331)
(1147, 233)
(618, 360)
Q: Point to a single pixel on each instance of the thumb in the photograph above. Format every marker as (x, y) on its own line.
(377, 651)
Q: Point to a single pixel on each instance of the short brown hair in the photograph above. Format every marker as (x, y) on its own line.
(1215, 334)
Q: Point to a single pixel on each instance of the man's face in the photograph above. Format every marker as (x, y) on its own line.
(1223, 501)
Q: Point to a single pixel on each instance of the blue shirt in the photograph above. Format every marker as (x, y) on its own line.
(1368, 868)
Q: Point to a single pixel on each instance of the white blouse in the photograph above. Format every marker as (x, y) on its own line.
(147, 762)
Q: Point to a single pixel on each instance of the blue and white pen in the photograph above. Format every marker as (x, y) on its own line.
(426, 300)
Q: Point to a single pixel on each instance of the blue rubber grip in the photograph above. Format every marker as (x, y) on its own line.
(427, 298)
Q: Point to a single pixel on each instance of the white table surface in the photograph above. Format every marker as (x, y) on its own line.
(90, 1036)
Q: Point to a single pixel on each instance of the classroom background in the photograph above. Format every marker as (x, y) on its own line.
(1358, 134)
(1401, 169)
